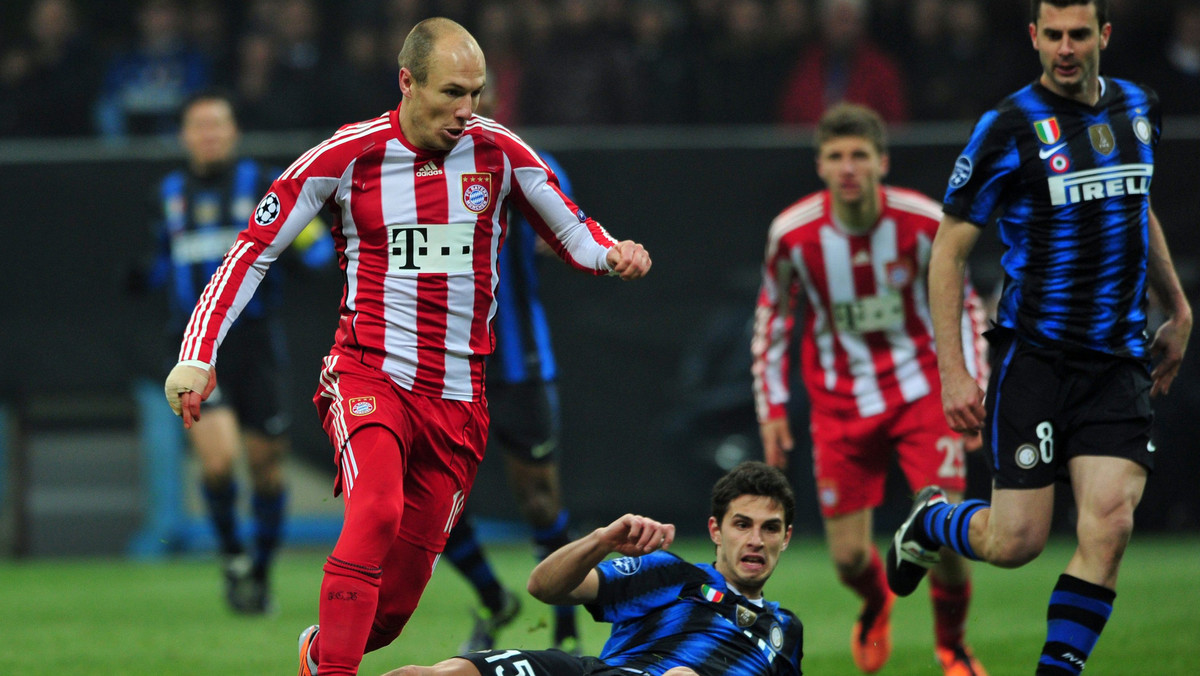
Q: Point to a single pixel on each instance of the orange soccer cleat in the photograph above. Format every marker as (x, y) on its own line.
(958, 661)
(871, 638)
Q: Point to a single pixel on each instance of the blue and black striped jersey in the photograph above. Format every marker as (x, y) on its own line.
(1068, 185)
(198, 218)
(667, 613)
(523, 351)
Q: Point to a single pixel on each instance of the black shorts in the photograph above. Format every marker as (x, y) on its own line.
(1046, 406)
(251, 378)
(525, 420)
(543, 663)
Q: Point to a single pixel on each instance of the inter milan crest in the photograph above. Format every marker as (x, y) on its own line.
(1048, 131)
(745, 616)
(776, 636)
(477, 191)
(1102, 139)
(1142, 129)
(1026, 456)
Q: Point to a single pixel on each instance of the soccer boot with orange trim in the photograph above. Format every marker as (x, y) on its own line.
(871, 638)
(907, 559)
(308, 666)
(958, 661)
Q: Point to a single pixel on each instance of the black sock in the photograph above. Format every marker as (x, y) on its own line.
(222, 506)
(464, 551)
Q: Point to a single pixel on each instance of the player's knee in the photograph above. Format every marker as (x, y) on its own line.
(1111, 531)
(539, 510)
(850, 561)
(1014, 552)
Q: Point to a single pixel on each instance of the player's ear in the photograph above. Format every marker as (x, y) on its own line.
(714, 530)
(1105, 35)
(787, 537)
(885, 163)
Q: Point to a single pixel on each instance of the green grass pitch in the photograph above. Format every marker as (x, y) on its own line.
(116, 617)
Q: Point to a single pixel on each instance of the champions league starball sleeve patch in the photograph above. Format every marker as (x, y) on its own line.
(267, 210)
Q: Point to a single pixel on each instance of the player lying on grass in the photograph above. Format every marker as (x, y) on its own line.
(669, 617)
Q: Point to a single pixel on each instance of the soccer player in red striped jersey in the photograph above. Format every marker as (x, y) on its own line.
(855, 257)
(420, 197)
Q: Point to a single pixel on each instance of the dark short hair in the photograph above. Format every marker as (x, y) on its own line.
(1035, 8)
(753, 478)
(209, 94)
(851, 119)
(418, 45)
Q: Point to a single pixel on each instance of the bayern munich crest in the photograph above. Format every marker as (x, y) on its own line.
(362, 405)
(477, 191)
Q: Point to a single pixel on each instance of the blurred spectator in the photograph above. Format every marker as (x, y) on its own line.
(49, 79)
(498, 33)
(1177, 75)
(208, 30)
(662, 65)
(284, 73)
(740, 72)
(581, 75)
(144, 86)
(792, 27)
(365, 80)
(845, 65)
(951, 66)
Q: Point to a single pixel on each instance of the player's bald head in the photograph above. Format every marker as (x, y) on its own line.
(429, 38)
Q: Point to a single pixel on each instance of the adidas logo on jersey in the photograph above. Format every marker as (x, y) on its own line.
(429, 169)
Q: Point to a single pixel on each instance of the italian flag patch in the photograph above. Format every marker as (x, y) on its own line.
(1047, 130)
(714, 595)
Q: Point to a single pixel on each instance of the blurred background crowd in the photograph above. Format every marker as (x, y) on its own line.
(113, 69)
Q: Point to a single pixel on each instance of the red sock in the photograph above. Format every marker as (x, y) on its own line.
(871, 583)
(950, 604)
(349, 596)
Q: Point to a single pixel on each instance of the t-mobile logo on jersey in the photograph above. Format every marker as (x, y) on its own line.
(430, 248)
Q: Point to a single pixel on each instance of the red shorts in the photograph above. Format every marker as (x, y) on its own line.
(441, 443)
(851, 455)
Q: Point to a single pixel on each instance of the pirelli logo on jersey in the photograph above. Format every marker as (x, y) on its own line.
(1094, 184)
(444, 248)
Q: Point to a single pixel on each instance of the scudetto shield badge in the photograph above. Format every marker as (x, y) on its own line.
(477, 191)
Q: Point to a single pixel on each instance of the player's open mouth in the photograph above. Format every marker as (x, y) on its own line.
(1066, 70)
(754, 560)
(454, 133)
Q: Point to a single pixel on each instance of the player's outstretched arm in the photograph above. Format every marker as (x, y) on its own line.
(628, 260)
(568, 575)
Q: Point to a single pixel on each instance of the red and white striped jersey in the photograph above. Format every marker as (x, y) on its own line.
(867, 343)
(417, 234)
